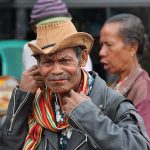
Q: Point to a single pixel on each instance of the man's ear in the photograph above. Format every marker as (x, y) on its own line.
(84, 57)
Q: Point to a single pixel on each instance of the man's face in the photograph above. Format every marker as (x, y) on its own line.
(61, 70)
(115, 53)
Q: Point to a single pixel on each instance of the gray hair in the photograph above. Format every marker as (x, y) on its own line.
(132, 30)
(78, 51)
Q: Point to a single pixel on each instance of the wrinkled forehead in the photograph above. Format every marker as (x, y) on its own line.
(59, 54)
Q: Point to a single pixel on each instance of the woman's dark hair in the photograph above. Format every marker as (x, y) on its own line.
(132, 29)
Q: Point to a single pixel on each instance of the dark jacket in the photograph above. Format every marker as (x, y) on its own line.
(108, 122)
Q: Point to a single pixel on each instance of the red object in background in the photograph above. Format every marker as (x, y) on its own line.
(7, 84)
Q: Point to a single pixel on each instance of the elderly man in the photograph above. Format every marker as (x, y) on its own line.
(58, 105)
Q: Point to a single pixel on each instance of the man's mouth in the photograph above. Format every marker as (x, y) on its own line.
(58, 78)
(58, 82)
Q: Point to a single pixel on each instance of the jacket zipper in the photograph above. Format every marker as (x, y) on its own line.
(15, 113)
(84, 141)
(45, 147)
(86, 135)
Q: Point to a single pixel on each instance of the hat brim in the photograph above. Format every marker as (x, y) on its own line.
(78, 39)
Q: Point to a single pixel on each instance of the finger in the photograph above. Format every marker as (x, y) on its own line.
(32, 68)
(35, 72)
(64, 109)
(67, 94)
(71, 92)
(64, 101)
(38, 78)
(82, 93)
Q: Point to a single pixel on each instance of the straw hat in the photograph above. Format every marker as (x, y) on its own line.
(59, 35)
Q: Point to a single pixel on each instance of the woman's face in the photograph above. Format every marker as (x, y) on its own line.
(114, 53)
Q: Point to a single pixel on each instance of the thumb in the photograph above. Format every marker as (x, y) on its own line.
(71, 92)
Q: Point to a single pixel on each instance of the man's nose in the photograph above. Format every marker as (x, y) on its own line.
(57, 69)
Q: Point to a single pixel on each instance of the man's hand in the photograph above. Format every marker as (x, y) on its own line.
(31, 80)
(72, 100)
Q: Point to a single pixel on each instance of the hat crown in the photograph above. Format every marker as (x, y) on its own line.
(59, 35)
(51, 33)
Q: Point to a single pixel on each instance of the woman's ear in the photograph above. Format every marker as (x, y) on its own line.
(134, 48)
(84, 57)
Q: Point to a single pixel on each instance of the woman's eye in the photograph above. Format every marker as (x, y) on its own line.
(108, 44)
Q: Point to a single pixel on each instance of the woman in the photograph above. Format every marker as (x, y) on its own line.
(121, 37)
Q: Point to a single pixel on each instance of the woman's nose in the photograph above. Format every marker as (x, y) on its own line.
(102, 51)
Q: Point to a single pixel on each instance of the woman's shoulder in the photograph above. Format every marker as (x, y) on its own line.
(140, 88)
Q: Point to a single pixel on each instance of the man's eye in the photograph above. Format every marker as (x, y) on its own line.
(46, 62)
(65, 60)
